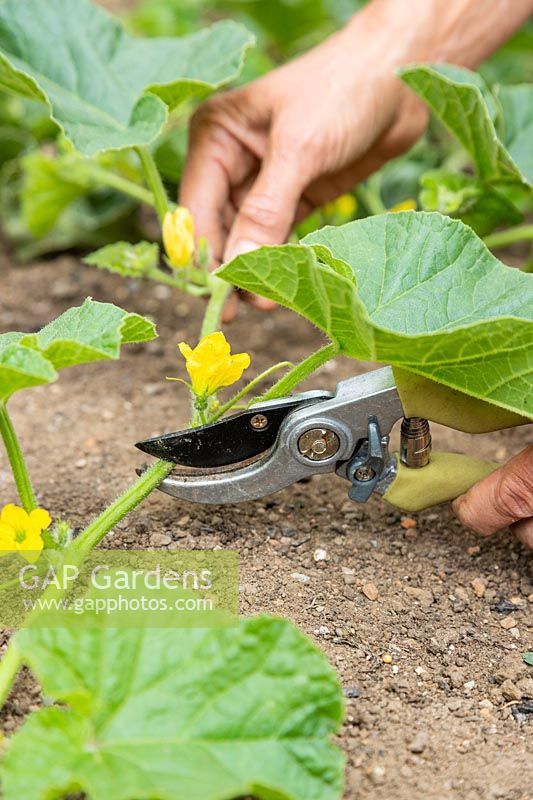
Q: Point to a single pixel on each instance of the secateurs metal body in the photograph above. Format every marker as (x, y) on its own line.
(272, 445)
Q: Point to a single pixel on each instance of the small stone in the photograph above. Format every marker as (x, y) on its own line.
(408, 523)
(486, 703)
(479, 586)
(323, 630)
(469, 685)
(377, 775)
(515, 633)
(419, 743)
(320, 554)
(454, 703)
(386, 658)
(107, 415)
(510, 691)
(422, 596)
(508, 622)
(474, 551)
(370, 590)
(160, 539)
(486, 713)
(300, 577)
(349, 580)
(80, 463)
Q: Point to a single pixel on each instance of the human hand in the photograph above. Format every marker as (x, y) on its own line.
(505, 497)
(262, 157)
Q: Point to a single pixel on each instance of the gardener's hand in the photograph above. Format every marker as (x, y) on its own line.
(263, 156)
(503, 498)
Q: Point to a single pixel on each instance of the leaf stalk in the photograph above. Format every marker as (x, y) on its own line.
(16, 460)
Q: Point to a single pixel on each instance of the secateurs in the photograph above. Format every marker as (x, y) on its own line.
(274, 444)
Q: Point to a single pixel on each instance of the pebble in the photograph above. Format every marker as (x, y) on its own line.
(454, 703)
(386, 658)
(479, 586)
(408, 523)
(508, 622)
(419, 743)
(370, 590)
(469, 685)
(377, 775)
(160, 539)
(320, 554)
(475, 550)
(80, 463)
(300, 577)
(510, 691)
(422, 596)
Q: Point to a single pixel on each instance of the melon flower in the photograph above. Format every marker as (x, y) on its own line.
(22, 532)
(211, 366)
(404, 205)
(178, 237)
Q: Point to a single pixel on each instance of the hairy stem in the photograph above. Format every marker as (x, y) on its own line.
(213, 313)
(522, 233)
(154, 181)
(107, 178)
(16, 459)
(248, 388)
(301, 371)
(126, 502)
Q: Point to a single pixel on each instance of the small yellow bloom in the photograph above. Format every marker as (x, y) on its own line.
(211, 366)
(346, 205)
(178, 237)
(22, 532)
(405, 205)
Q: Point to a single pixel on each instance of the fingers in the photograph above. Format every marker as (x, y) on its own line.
(524, 531)
(501, 499)
(216, 160)
(268, 210)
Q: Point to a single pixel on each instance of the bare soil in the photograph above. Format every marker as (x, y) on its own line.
(436, 691)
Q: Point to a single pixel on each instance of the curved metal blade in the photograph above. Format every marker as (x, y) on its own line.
(231, 440)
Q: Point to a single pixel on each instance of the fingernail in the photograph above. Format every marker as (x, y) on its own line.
(240, 248)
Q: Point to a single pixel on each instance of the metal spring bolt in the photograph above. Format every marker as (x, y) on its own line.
(415, 442)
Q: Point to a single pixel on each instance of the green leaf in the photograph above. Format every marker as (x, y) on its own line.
(424, 294)
(130, 260)
(50, 185)
(459, 99)
(457, 195)
(528, 658)
(517, 106)
(178, 714)
(91, 332)
(106, 89)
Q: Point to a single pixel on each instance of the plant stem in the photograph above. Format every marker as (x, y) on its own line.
(301, 371)
(126, 502)
(16, 459)
(154, 181)
(107, 178)
(213, 313)
(248, 388)
(369, 194)
(9, 666)
(522, 233)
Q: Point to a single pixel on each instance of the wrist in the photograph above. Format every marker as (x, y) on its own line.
(462, 32)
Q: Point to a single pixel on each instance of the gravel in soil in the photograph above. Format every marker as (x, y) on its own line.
(413, 611)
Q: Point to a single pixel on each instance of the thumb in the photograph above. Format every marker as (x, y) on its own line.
(268, 211)
(501, 499)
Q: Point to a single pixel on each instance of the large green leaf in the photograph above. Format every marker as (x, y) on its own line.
(180, 714)
(91, 332)
(128, 260)
(106, 89)
(517, 106)
(413, 289)
(460, 100)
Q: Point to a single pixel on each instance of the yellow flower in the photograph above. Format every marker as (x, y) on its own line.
(210, 365)
(346, 205)
(405, 205)
(178, 236)
(21, 532)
